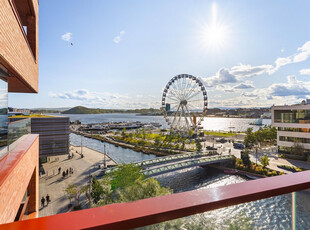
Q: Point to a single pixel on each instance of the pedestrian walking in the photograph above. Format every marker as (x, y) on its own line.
(47, 199)
(59, 170)
(67, 172)
(42, 201)
(63, 173)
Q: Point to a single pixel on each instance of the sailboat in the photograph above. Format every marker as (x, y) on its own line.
(258, 122)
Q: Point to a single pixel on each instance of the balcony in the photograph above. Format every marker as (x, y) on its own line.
(19, 33)
(19, 184)
(159, 209)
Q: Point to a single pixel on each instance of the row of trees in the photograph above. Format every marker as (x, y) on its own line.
(161, 140)
(266, 134)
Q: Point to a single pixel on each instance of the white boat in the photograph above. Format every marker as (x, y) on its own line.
(258, 122)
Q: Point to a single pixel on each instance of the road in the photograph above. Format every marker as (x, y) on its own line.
(271, 152)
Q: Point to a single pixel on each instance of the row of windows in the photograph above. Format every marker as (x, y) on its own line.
(292, 116)
(295, 139)
(301, 130)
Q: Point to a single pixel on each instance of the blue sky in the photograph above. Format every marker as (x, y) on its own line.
(248, 53)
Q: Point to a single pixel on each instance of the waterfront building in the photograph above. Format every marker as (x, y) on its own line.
(18, 73)
(293, 124)
(54, 133)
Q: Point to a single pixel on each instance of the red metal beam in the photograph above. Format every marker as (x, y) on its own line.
(159, 209)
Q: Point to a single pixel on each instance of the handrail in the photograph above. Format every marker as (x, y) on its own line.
(163, 208)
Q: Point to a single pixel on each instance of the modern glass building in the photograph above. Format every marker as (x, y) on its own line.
(293, 124)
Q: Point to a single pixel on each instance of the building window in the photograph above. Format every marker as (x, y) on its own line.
(292, 116)
(295, 139)
(3, 111)
(301, 130)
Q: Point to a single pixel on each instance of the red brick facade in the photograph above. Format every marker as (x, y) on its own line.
(18, 51)
(19, 172)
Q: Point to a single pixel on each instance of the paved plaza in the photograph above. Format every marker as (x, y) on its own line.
(53, 183)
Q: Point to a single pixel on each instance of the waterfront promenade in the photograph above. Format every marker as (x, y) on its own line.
(53, 183)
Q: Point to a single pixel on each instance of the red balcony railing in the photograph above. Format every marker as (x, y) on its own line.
(159, 209)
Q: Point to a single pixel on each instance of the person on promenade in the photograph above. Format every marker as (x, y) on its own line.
(47, 199)
(42, 201)
(59, 170)
(63, 173)
(67, 172)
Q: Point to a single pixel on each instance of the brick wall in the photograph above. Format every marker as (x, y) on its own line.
(19, 171)
(15, 54)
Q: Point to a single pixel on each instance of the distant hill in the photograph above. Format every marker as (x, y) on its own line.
(84, 110)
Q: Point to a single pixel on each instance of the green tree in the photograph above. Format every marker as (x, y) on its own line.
(191, 133)
(97, 190)
(250, 138)
(297, 149)
(142, 189)
(143, 133)
(245, 157)
(124, 133)
(74, 191)
(157, 141)
(198, 146)
(70, 191)
(125, 176)
(265, 161)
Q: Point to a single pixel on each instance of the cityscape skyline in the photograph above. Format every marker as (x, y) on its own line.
(248, 54)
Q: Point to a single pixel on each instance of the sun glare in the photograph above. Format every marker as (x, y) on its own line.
(215, 34)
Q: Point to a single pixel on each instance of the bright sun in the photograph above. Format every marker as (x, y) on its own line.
(215, 34)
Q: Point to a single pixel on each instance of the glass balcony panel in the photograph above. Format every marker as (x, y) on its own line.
(17, 129)
(289, 211)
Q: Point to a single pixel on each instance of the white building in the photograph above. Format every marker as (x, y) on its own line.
(293, 124)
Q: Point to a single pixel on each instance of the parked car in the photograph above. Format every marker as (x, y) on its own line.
(221, 140)
(211, 148)
(238, 145)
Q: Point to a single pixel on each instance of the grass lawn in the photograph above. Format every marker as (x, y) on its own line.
(221, 134)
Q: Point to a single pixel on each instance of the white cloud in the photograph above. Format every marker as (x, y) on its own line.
(249, 94)
(118, 38)
(305, 72)
(222, 77)
(302, 54)
(293, 87)
(242, 70)
(244, 86)
(282, 50)
(67, 37)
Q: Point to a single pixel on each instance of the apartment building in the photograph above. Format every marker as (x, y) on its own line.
(293, 124)
(18, 73)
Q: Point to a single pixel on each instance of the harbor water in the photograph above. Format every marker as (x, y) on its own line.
(209, 123)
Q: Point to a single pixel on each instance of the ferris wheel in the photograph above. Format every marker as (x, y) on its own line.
(184, 103)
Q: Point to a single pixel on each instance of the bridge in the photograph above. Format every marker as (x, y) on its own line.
(176, 162)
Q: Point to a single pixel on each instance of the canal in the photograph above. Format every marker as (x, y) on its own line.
(271, 213)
